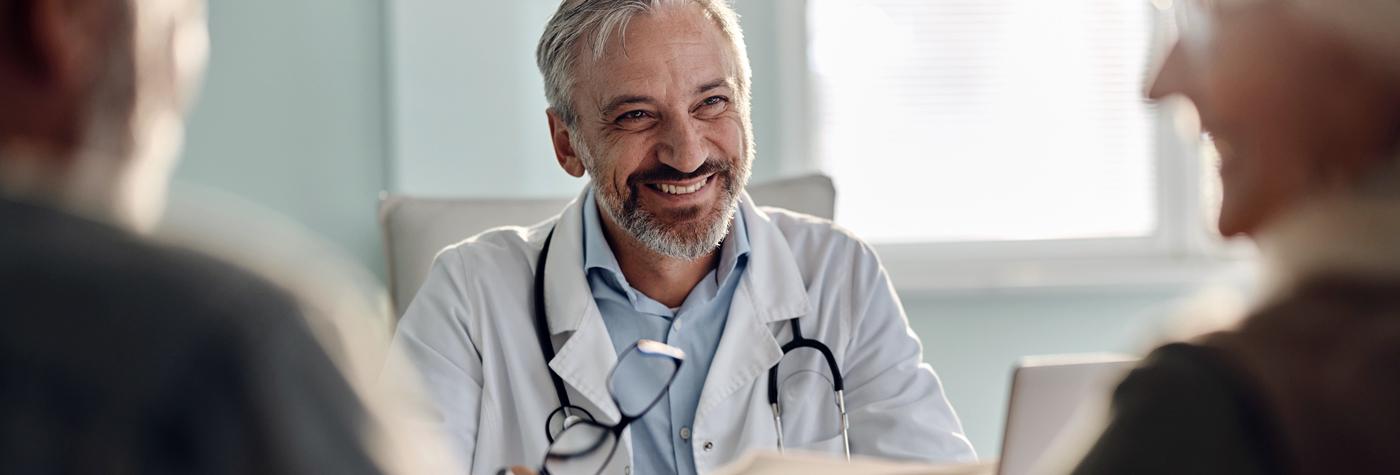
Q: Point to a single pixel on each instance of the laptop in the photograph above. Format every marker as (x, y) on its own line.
(1050, 394)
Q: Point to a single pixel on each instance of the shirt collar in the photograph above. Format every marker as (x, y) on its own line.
(596, 252)
(598, 255)
(734, 247)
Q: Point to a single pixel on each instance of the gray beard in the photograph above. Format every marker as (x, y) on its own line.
(685, 243)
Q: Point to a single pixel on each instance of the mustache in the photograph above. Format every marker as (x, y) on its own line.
(667, 173)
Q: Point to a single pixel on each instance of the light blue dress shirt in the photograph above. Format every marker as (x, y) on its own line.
(661, 442)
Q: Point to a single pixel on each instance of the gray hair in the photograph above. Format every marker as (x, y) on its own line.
(596, 20)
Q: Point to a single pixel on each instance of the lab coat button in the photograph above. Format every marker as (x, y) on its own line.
(709, 446)
(685, 433)
(627, 470)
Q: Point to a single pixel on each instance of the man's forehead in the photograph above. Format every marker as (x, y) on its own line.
(673, 47)
(659, 64)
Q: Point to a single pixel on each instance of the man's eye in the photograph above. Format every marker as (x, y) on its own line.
(712, 106)
(632, 116)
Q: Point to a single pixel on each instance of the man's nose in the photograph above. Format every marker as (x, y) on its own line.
(683, 146)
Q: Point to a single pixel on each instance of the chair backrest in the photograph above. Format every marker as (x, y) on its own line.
(416, 229)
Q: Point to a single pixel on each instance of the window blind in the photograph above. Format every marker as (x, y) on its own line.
(985, 120)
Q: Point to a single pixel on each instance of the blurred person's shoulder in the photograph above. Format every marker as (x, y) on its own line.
(57, 265)
(1329, 335)
(1321, 358)
(187, 362)
(1325, 323)
(1331, 309)
(1186, 398)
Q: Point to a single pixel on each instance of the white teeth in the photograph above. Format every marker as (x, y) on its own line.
(680, 190)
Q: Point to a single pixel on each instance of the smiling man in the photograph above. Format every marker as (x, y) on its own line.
(518, 331)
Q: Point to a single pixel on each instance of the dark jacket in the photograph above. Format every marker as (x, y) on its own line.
(120, 356)
(1309, 384)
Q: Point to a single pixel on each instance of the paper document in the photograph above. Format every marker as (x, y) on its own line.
(772, 463)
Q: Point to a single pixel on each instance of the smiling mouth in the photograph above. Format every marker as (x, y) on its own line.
(681, 189)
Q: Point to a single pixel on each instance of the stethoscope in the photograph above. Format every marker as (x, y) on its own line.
(572, 414)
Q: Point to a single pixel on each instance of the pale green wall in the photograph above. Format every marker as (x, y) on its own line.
(974, 340)
(292, 114)
(762, 43)
(298, 115)
(468, 103)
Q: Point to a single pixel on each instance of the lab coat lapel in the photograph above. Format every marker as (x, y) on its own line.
(771, 290)
(584, 363)
(587, 357)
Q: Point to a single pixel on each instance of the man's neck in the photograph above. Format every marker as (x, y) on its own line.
(89, 188)
(663, 278)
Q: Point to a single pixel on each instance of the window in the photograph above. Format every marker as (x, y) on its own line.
(986, 120)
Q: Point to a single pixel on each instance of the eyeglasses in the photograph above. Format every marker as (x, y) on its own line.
(581, 445)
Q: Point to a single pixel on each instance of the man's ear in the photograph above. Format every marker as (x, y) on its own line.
(52, 55)
(65, 38)
(564, 150)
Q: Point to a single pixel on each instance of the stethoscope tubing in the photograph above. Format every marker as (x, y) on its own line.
(547, 351)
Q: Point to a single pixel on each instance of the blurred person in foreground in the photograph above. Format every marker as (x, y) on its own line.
(1302, 99)
(117, 354)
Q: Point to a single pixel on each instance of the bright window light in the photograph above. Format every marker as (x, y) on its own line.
(985, 120)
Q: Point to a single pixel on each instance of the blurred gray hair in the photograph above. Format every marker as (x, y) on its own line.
(595, 21)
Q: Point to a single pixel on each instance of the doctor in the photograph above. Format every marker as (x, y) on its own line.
(651, 100)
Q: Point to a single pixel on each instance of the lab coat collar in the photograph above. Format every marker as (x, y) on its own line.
(587, 357)
(777, 290)
(771, 290)
(567, 297)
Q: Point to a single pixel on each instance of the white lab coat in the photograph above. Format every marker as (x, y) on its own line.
(469, 333)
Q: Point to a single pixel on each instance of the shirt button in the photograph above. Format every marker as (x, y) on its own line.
(685, 433)
(677, 326)
(709, 446)
(627, 470)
